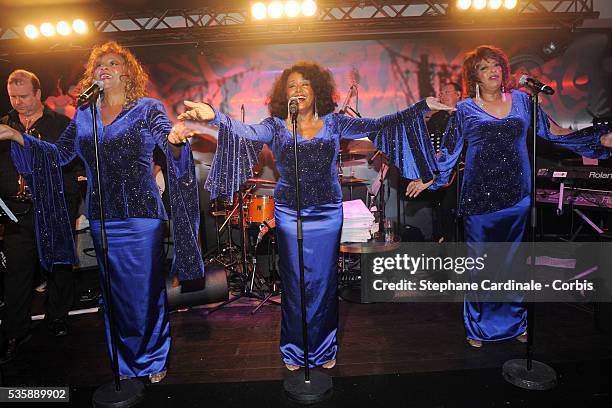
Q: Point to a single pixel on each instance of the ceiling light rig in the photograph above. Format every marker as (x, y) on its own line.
(277, 10)
(62, 28)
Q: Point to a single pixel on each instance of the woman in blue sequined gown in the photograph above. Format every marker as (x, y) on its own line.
(495, 195)
(319, 133)
(129, 128)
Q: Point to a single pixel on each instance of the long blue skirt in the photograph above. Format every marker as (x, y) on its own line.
(494, 321)
(322, 225)
(138, 293)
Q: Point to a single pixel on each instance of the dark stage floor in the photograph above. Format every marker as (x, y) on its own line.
(410, 354)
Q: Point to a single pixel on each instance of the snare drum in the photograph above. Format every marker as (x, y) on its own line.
(260, 209)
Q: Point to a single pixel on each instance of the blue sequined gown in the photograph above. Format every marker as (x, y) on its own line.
(321, 205)
(134, 214)
(495, 194)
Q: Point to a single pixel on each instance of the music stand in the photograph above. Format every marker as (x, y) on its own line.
(6, 215)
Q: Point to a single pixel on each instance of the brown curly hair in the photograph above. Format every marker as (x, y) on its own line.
(136, 79)
(322, 83)
(481, 53)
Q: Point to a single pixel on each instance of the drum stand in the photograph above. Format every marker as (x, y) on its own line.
(247, 290)
(274, 289)
(225, 252)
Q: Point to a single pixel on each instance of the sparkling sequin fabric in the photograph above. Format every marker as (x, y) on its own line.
(238, 145)
(497, 170)
(126, 149)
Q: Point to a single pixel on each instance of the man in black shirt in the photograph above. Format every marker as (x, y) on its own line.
(30, 115)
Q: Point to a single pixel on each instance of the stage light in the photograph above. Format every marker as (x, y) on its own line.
(510, 4)
(463, 4)
(309, 8)
(63, 28)
(292, 8)
(259, 11)
(480, 4)
(31, 31)
(79, 26)
(47, 29)
(495, 4)
(549, 48)
(275, 9)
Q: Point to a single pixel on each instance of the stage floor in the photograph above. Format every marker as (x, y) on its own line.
(397, 350)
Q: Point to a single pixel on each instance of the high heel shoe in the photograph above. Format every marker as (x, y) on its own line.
(474, 343)
(330, 364)
(292, 367)
(522, 338)
(157, 377)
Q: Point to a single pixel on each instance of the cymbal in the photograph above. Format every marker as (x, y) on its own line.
(261, 182)
(352, 180)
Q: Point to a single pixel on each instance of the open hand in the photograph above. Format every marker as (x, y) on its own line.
(606, 140)
(198, 111)
(435, 104)
(415, 187)
(7, 133)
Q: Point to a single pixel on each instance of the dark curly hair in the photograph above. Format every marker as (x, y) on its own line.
(322, 83)
(481, 53)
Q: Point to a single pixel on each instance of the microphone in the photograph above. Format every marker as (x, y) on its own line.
(263, 230)
(91, 93)
(535, 85)
(293, 105)
(349, 95)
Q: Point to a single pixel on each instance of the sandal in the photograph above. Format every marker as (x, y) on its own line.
(474, 343)
(522, 337)
(157, 377)
(330, 364)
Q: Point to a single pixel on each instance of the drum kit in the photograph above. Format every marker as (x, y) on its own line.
(247, 213)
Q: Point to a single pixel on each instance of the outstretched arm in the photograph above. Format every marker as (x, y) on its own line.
(593, 141)
(203, 112)
(356, 128)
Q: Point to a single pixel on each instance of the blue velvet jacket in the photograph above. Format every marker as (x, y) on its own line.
(497, 171)
(129, 190)
(239, 144)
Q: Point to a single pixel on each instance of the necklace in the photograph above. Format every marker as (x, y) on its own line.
(481, 102)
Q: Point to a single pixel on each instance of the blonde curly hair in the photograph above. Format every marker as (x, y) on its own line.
(136, 78)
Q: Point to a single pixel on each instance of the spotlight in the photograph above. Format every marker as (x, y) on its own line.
(510, 4)
(495, 4)
(275, 9)
(31, 31)
(480, 4)
(292, 8)
(47, 29)
(463, 4)
(309, 8)
(259, 11)
(79, 26)
(63, 28)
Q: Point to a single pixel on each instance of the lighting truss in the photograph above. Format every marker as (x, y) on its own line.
(232, 24)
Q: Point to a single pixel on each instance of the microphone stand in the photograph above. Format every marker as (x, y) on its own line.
(316, 387)
(120, 393)
(528, 373)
